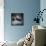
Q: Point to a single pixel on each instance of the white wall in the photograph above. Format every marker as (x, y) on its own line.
(43, 6)
(1, 20)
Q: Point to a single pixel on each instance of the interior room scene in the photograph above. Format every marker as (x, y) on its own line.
(22, 22)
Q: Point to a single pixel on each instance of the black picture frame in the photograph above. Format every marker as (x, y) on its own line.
(17, 19)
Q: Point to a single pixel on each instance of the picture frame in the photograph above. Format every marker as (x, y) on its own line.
(17, 19)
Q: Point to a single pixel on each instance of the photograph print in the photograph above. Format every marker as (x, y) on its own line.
(17, 19)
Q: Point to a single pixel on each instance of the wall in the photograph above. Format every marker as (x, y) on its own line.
(28, 7)
(43, 6)
(1, 20)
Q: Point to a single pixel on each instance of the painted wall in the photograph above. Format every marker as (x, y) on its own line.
(29, 8)
(43, 6)
(1, 20)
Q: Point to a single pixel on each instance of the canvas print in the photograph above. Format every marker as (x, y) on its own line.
(17, 19)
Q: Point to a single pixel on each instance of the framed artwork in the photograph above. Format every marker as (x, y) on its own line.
(17, 19)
